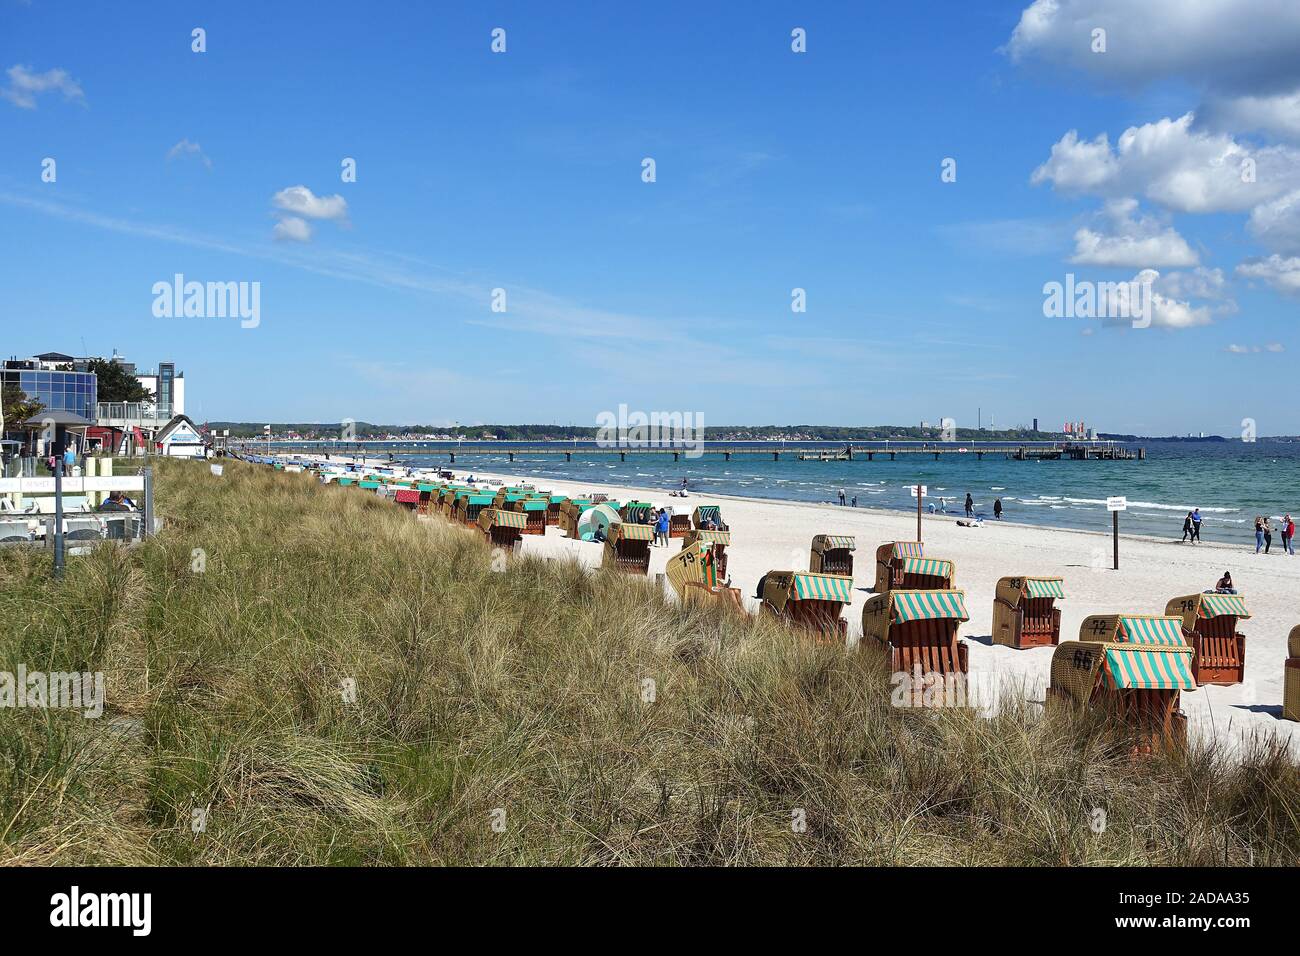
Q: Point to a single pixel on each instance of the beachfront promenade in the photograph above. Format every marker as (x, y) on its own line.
(803, 451)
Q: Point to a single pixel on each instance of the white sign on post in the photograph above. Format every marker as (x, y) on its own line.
(923, 488)
(1119, 503)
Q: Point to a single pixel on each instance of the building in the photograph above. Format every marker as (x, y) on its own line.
(63, 383)
(181, 438)
(39, 379)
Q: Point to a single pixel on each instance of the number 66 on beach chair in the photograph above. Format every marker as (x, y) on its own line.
(1135, 666)
(1024, 614)
(1210, 628)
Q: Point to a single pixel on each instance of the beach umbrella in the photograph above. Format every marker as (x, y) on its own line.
(601, 516)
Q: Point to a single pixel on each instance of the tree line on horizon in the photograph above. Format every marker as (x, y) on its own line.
(829, 433)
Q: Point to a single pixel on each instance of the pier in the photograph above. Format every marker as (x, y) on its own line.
(803, 451)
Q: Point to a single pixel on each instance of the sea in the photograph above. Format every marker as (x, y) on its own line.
(1230, 482)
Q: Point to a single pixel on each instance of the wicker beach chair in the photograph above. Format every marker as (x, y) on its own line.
(693, 574)
(811, 602)
(408, 498)
(720, 540)
(832, 554)
(705, 514)
(502, 529)
(889, 563)
(1135, 666)
(534, 510)
(1210, 629)
(1291, 676)
(637, 512)
(554, 503)
(1025, 613)
(627, 548)
(915, 633)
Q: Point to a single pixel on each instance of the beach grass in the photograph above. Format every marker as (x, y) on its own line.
(532, 714)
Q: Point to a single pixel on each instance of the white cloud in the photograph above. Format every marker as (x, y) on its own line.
(1240, 46)
(1277, 223)
(1276, 114)
(186, 148)
(1255, 349)
(301, 201)
(25, 85)
(1168, 310)
(1200, 283)
(1173, 164)
(297, 204)
(1280, 273)
(1134, 242)
(293, 229)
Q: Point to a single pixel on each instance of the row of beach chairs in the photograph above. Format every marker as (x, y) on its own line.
(1135, 665)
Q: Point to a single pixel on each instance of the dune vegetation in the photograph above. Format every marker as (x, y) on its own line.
(303, 674)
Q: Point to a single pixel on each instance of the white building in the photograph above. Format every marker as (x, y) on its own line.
(181, 438)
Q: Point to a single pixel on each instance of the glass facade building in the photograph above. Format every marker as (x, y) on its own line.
(76, 392)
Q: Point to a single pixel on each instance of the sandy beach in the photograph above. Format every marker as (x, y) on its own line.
(776, 535)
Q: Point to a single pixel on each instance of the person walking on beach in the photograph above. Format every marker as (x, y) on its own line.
(1196, 525)
(1259, 532)
(1187, 528)
(1268, 536)
(841, 497)
(1288, 534)
(661, 528)
(997, 509)
(970, 506)
(855, 501)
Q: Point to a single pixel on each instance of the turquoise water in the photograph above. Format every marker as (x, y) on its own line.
(1230, 482)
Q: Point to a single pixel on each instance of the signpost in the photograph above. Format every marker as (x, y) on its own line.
(1115, 505)
(919, 491)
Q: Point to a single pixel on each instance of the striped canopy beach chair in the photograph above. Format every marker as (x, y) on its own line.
(1291, 676)
(833, 554)
(928, 574)
(1210, 628)
(915, 633)
(627, 548)
(637, 512)
(555, 502)
(693, 574)
(1025, 612)
(812, 602)
(720, 540)
(709, 514)
(534, 509)
(502, 529)
(889, 563)
(1133, 665)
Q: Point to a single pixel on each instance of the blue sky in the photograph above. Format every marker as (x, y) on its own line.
(522, 170)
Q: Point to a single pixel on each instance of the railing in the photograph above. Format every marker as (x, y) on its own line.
(133, 412)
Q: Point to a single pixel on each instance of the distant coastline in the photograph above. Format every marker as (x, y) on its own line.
(363, 431)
